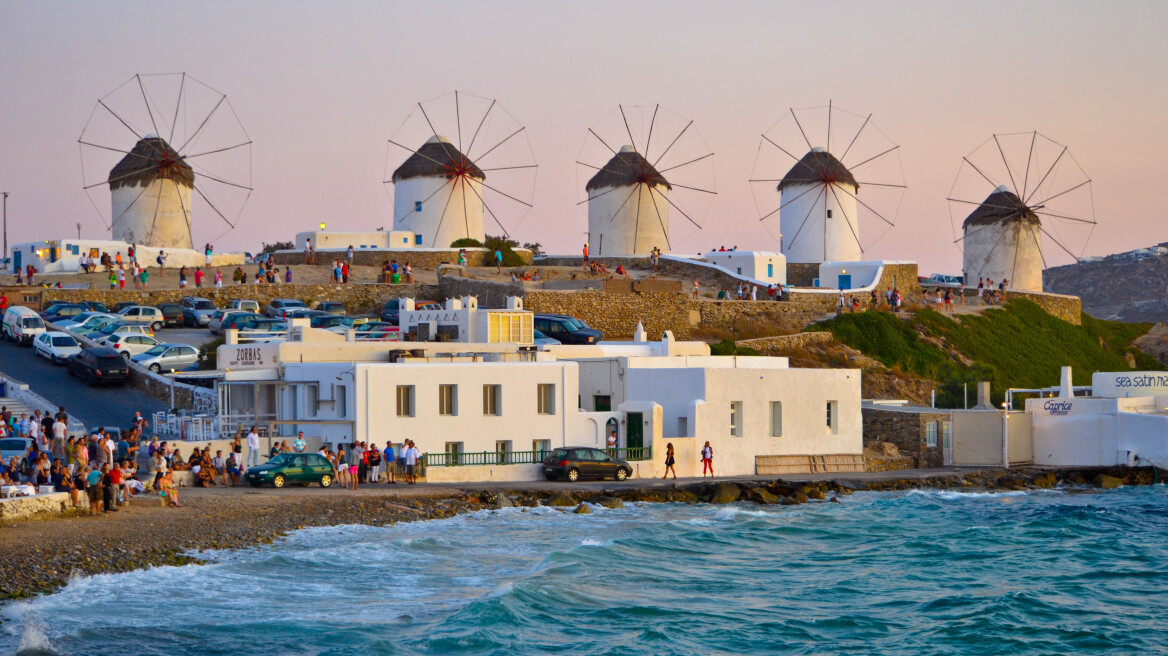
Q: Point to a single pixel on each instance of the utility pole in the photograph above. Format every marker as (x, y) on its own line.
(5, 256)
(79, 231)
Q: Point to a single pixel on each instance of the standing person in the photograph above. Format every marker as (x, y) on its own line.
(669, 460)
(374, 463)
(307, 247)
(980, 289)
(356, 453)
(411, 455)
(218, 279)
(253, 448)
(298, 445)
(161, 259)
(121, 277)
(349, 253)
(107, 490)
(498, 261)
(236, 449)
(696, 287)
(341, 466)
(182, 277)
(93, 489)
(207, 250)
(585, 255)
(113, 280)
(462, 257)
(345, 273)
(611, 443)
(288, 275)
(198, 277)
(753, 292)
(707, 460)
(390, 463)
(145, 278)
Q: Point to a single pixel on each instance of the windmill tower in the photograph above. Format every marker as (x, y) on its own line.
(439, 218)
(630, 200)
(1039, 208)
(818, 196)
(820, 204)
(1001, 242)
(154, 171)
(625, 217)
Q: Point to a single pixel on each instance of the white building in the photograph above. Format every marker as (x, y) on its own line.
(857, 276)
(1123, 422)
(504, 403)
(818, 216)
(628, 213)
(764, 266)
(1001, 242)
(437, 195)
(324, 240)
(150, 191)
(64, 255)
(462, 320)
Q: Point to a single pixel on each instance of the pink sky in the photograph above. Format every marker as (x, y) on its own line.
(321, 86)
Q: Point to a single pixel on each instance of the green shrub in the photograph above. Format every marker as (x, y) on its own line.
(466, 242)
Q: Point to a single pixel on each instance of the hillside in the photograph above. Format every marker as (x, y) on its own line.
(1123, 287)
(1019, 345)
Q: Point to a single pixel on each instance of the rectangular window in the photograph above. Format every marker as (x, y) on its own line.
(829, 214)
(503, 452)
(832, 418)
(541, 447)
(931, 434)
(405, 400)
(602, 403)
(491, 394)
(341, 400)
(776, 418)
(448, 400)
(417, 206)
(770, 271)
(453, 453)
(546, 399)
(736, 418)
(418, 239)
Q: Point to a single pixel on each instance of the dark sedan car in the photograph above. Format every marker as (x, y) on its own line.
(576, 462)
(172, 315)
(569, 330)
(287, 468)
(59, 311)
(99, 365)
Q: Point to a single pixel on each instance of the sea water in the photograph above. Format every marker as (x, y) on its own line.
(881, 573)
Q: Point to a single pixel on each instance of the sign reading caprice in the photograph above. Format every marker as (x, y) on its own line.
(1057, 407)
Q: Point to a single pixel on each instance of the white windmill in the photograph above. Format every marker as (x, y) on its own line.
(1026, 192)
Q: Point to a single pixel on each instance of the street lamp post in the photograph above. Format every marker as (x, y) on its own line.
(5, 255)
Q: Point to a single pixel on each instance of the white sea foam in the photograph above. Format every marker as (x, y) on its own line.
(952, 495)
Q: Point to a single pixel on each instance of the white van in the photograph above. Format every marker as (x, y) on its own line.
(21, 325)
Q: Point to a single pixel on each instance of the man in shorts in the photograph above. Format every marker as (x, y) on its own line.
(390, 463)
(356, 453)
(411, 455)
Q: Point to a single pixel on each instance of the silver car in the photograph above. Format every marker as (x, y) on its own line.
(145, 314)
(129, 344)
(196, 310)
(168, 358)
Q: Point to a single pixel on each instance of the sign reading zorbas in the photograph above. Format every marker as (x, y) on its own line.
(248, 356)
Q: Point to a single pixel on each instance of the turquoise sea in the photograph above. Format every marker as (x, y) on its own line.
(929, 572)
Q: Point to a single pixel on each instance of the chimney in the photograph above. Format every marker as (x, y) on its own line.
(1066, 389)
(983, 396)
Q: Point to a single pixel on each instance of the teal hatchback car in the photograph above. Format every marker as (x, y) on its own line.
(285, 468)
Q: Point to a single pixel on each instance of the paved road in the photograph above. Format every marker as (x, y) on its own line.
(196, 337)
(93, 406)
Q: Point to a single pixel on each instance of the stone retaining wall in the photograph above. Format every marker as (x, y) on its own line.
(906, 429)
(357, 298)
(24, 507)
(618, 314)
(1067, 308)
(785, 342)
(802, 274)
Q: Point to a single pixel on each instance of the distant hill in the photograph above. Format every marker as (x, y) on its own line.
(1131, 287)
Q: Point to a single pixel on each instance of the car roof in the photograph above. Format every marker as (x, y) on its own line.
(170, 344)
(103, 351)
(56, 333)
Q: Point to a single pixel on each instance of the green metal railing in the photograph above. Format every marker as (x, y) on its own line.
(481, 458)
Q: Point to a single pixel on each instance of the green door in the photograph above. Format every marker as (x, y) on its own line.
(634, 435)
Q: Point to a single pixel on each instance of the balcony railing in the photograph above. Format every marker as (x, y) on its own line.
(481, 458)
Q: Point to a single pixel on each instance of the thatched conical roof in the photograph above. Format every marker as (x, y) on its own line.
(818, 167)
(1002, 206)
(627, 168)
(150, 159)
(437, 158)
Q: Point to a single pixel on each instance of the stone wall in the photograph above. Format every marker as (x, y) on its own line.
(802, 274)
(357, 298)
(618, 314)
(1067, 308)
(727, 315)
(906, 429)
(25, 507)
(785, 342)
(423, 258)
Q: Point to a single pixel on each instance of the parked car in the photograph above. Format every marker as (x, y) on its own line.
(392, 309)
(297, 313)
(566, 329)
(332, 307)
(56, 346)
(236, 319)
(59, 311)
(95, 331)
(382, 332)
(17, 447)
(94, 306)
(143, 314)
(244, 304)
(279, 307)
(575, 462)
(21, 325)
(123, 305)
(172, 315)
(327, 321)
(130, 344)
(168, 357)
(214, 324)
(262, 324)
(83, 321)
(288, 468)
(196, 311)
(97, 365)
(541, 339)
(122, 327)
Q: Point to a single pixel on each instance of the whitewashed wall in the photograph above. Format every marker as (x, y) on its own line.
(448, 215)
(808, 235)
(637, 226)
(157, 215)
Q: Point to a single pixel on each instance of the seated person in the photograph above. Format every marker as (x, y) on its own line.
(232, 470)
(177, 463)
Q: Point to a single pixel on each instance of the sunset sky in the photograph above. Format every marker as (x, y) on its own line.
(321, 86)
